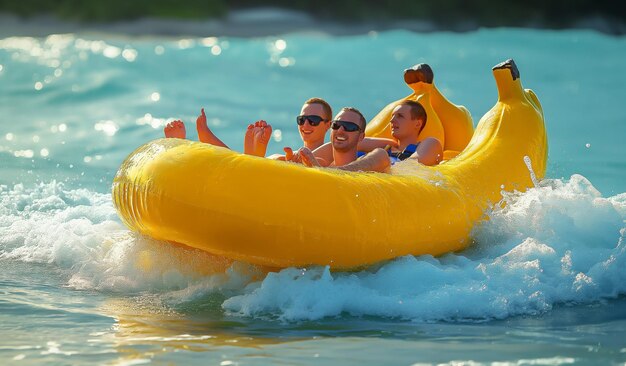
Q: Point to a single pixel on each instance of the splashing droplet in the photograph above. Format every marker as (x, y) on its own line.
(529, 165)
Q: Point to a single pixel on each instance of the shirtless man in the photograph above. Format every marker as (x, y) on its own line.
(407, 121)
(348, 129)
(313, 123)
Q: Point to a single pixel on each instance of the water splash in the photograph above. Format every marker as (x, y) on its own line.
(560, 242)
(529, 166)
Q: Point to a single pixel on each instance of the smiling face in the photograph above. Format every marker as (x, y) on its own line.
(314, 134)
(343, 140)
(403, 125)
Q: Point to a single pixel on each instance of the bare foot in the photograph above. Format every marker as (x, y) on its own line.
(248, 141)
(204, 132)
(262, 135)
(175, 129)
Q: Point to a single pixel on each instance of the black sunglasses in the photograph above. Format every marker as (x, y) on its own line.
(347, 126)
(313, 120)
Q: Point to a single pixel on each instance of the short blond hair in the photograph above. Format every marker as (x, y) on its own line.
(327, 109)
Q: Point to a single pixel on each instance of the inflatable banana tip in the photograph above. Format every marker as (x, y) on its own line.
(509, 64)
(419, 73)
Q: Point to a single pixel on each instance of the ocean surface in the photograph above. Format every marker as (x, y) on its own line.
(544, 283)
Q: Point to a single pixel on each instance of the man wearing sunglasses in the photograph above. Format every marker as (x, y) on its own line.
(313, 123)
(347, 130)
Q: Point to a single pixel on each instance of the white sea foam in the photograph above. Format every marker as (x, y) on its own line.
(560, 242)
(79, 232)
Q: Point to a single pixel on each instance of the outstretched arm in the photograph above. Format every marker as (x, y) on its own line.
(375, 161)
(372, 143)
(324, 154)
(289, 156)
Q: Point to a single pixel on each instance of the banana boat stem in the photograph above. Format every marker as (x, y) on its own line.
(508, 81)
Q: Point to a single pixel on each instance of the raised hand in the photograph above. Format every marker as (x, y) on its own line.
(308, 158)
(288, 153)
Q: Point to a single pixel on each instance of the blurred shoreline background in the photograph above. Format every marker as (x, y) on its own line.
(246, 18)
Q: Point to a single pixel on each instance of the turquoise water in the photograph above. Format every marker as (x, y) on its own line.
(545, 282)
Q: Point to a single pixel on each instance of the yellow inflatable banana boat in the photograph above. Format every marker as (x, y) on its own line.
(280, 214)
